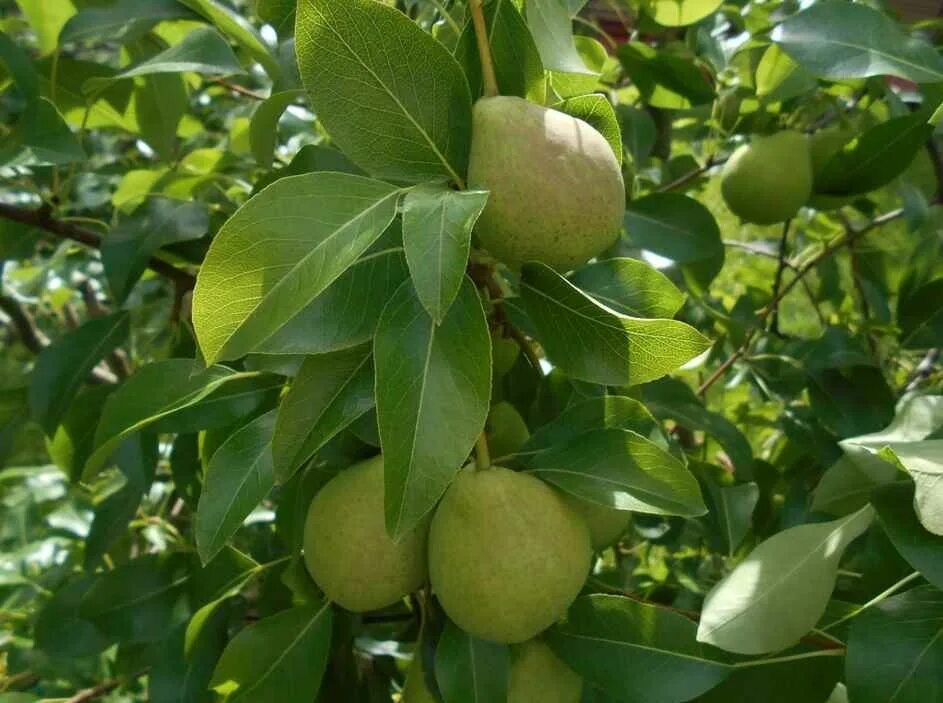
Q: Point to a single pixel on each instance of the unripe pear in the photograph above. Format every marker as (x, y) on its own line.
(605, 524)
(538, 676)
(768, 180)
(347, 549)
(507, 555)
(506, 430)
(556, 189)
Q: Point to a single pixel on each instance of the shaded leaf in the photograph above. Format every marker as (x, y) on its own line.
(470, 670)
(923, 550)
(121, 21)
(239, 30)
(630, 287)
(263, 130)
(40, 138)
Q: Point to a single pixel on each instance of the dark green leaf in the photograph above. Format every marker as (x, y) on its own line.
(263, 130)
(20, 67)
(40, 138)
(60, 631)
(239, 30)
(730, 510)
(630, 287)
(232, 404)
(160, 102)
(665, 80)
(74, 439)
(470, 670)
(120, 21)
(924, 551)
(920, 316)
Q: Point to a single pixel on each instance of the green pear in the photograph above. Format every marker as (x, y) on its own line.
(415, 689)
(506, 430)
(507, 555)
(346, 547)
(504, 351)
(556, 189)
(538, 676)
(605, 524)
(769, 179)
(823, 145)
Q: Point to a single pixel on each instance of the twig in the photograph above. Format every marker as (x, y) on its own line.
(238, 89)
(488, 77)
(90, 694)
(777, 281)
(691, 175)
(66, 230)
(484, 276)
(924, 369)
(24, 325)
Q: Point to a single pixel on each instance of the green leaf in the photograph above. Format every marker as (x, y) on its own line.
(634, 651)
(730, 510)
(679, 13)
(437, 227)
(433, 394)
(202, 51)
(592, 343)
(847, 485)
(330, 391)
(230, 405)
(239, 30)
(789, 579)
(20, 67)
(638, 132)
(470, 670)
(842, 40)
(273, 257)
(238, 477)
(678, 228)
(60, 631)
(283, 652)
(160, 102)
(629, 287)
(597, 111)
(120, 21)
(924, 462)
(665, 80)
(875, 158)
(895, 649)
(922, 550)
(160, 222)
(621, 469)
(360, 293)
(263, 130)
(64, 366)
(920, 315)
(40, 138)
(779, 77)
(403, 110)
(47, 17)
(552, 28)
(74, 439)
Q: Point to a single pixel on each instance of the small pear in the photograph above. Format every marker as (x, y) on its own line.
(556, 189)
(605, 524)
(507, 555)
(347, 549)
(506, 430)
(538, 676)
(769, 179)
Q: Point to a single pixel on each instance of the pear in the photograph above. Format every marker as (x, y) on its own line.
(768, 180)
(556, 189)
(538, 676)
(506, 430)
(346, 547)
(605, 524)
(507, 555)
(823, 145)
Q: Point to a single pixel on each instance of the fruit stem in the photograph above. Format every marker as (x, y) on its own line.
(484, 49)
(482, 455)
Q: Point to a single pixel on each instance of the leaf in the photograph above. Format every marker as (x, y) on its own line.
(238, 477)
(279, 252)
(433, 387)
(437, 227)
(629, 287)
(628, 648)
(552, 28)
(847, 485)
(924, 462)
(597, 111)
(780, 591)
(895, 650)
(730, 508)
(839, 40)
(875, 158)
(470, 670)
(239, 30)
(121, 21)
(779, 77)
(592, 343)
(202, 51)
(20, 67)
(623, 470)
(40, 138)
(263, 130)
(346, 313)
(160, 102)
(679, 228)
(283, 652)
(665, 80)
(403, 110)
(922, 550)
(65, 365)
(232, 404)
(679, 13)
(920, 315)
(60, 631)
(47, 18)
(330, 392)
(74, 438)
(160, 222)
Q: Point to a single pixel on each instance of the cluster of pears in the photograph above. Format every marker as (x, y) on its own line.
(505, 554)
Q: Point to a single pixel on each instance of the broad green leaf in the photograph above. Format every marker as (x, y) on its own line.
(779, 77)
(161, 221)
(852, 400)
(678, 13)
(875, 158)
(403, 110)
(920, 315)
(279, 252)
(730, 509)
(311, 157)
(74, 438)
(470, 670)
(283, 652)
(160, 103)
(114, 108)
(230, 405)
(665, 80)
(60, 631)
(239, 30)
(597, 111)
(842, 40)
(40, 138)
(847, 485)
(895, 650)
(120, 21)
(679, 228)
(630, 287)
(437, 227)
(64, 366)
(552, 28)
(780, 591)
(924, 462)
(591, 342)
(263, 130)
(20, 67)
(238, 477)
(621, 469)
(346, 313)
(329, 392)
(47, 17)
(895, 510)
(634, 651)
(433, 393)
(638, 132)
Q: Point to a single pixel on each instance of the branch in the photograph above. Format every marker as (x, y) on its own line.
(90, 694)
(66, 230)
(237, 89)
(777, 281)
(712, 161)
(24, 325)
(924, 369)
(488, 76)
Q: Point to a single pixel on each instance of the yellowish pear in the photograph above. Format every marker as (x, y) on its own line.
(537, 675)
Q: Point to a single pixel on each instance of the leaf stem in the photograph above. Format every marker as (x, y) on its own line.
(482, 454)
(790, 658)
(488, 76)
(874, 601)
